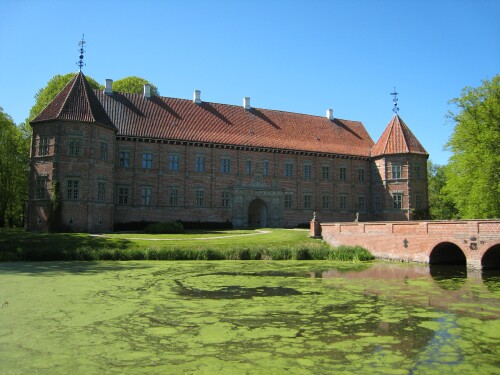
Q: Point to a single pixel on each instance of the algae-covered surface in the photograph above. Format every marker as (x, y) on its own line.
(255, 317)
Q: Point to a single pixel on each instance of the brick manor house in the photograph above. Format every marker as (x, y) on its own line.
(120, 157)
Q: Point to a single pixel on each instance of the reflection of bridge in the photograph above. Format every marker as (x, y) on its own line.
(475, 243)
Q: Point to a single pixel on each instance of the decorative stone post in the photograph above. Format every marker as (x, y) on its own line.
(315, 228)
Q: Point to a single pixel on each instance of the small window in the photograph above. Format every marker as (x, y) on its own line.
(307, 201)
(343, 202)
(361, 175)
(104, 151)
(248, 167)
(307, 171)
(125, 159)
(123, 195)
(225, 165)
(200, 164)
(225, 199)
(173, 162)
(199, 195)
(73, 189)
(418, 201)
(101, 191)
(377, 203)
(265, 169)
(146, 196)
(361, 203)
(418, 172)
(288, 200)
(342, 173)
(325, 171)
(41, 187)
(74, 148)
(147, 160)
(326, 201)
(397, 201)
(396, 171)
(288, 169)
(43, 146)
(173, 196)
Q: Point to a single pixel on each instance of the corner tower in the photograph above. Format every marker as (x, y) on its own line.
(400, 174)
(72, 163)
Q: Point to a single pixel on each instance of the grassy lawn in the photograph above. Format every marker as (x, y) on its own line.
(278, 244)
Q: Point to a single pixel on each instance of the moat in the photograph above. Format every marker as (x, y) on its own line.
(253, 317)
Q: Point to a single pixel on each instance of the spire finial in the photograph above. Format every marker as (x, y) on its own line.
(394, 94)
(81, 43)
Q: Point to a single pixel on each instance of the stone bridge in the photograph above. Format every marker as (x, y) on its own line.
(475, 243)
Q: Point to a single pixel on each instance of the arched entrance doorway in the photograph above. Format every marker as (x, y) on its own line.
(257, 214)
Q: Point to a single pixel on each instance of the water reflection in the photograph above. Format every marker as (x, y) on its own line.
(449, 277)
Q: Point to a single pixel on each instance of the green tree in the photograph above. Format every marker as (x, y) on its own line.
(473, 172)
(133, 85)
(441, 206)
(14, 158)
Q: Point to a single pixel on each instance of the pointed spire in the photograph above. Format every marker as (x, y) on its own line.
(397, 138)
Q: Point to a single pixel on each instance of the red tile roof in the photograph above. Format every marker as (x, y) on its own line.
(75, 102)
(397, 138)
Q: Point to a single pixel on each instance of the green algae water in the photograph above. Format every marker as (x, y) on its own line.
(253, 317)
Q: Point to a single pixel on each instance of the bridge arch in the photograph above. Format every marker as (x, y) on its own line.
(491, 258)
(447, 253)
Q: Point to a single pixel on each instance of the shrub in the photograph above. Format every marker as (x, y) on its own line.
(167, 227)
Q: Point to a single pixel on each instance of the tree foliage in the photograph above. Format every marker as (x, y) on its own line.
(441, 206)
(133, 85)
(473, 172)
(14, 163)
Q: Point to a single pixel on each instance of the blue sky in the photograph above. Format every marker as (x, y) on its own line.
(298, 55)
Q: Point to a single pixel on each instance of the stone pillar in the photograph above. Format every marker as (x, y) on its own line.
(315, 228)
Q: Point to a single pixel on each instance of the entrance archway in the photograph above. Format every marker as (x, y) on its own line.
(257, 214)
(447, 253)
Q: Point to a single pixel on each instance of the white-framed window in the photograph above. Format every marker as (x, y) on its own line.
(288, 169)
(342, 173)
(146, 195)
(103, 155)
(41, 187)
(396, 171)
(72, 189)
(199, 197)
(288, 200)
(307, 171)
(199, 165)
(123, 195)
(225, 199)
(173, 162)
(397, 201)
(43, 146)
(225, 165)
(74, 147)
(101, 191)
(265, 168)
(325, 172)
(125, 159)
(173, 196)
(147, 160)
(307, 200)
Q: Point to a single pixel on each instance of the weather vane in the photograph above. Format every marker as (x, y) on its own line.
(81, 43)
(394, 94)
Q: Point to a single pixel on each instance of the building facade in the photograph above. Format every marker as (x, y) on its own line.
(99, 158)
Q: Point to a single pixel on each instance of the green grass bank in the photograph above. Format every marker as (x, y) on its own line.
(268, 244)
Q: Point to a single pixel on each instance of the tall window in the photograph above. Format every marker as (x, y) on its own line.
(343, 202)
(377, 203)
(248, 167)
(123, 195)
(396, 171)
(265, 168)
(101, 191)
(146, 196)
(43, 146)
(74, 148)
(125, 159)
(225, 199)
(104, 151)
(397, 201)
(225, 165)
(173, 196)
(307, 171)
(288, 169)
(41, 187)
(326, 201)
(173, 162)
(200, 164)
(199, 196)
(342, 173)
(418, 201)
(73, 189)
(361, 175)
(361, 203)
(325, 171)
(288, 200)
(307, 200)
(418, 172)
(147, 160)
